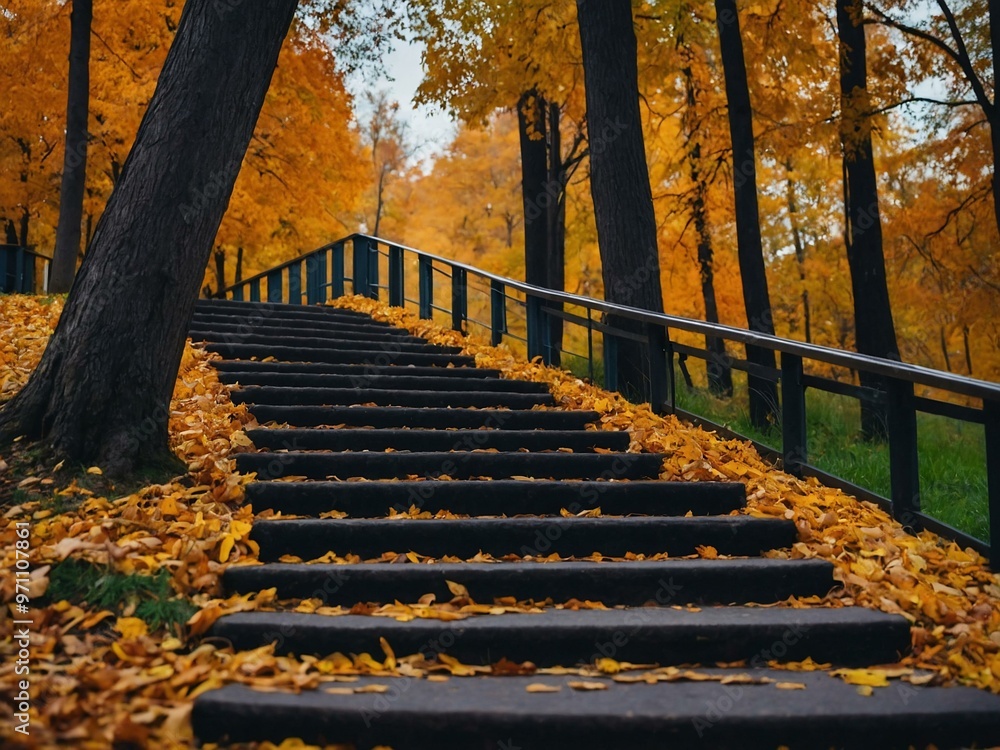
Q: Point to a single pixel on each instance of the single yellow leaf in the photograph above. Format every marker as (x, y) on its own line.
(94, 470)
(872, 677)
(541, 687)
(228, 541)
(790, 686)
(457, 589)
(131, 627)
(585, 685)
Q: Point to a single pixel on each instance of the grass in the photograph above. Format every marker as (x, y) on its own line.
(148, 597)
(952, 454)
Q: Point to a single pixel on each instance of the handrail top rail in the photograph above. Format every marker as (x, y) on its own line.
(916, 374)
(26, 248)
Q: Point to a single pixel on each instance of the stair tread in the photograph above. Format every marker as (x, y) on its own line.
(427, 416)
(741, 580)
(616, 537)
(479, 712)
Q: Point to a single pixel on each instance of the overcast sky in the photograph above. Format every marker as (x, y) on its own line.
(429, 127)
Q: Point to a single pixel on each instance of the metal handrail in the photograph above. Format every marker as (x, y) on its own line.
(325, 271)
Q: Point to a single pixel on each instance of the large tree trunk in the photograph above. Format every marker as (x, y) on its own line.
(619, 177)
(994, 120)
(556, 231)
(763, 391)
(74, 176)
(101, 393)
(873, 326)
(720, 373)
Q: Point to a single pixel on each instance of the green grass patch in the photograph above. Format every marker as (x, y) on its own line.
(151, 596)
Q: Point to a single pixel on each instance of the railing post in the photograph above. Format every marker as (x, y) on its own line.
(904, 465)
(396, 286)
(373, 269)
(459, 298)
(794, 447)
(534, 313)
(255, 290)
(498, 312)
(274, 286)
(238, 293)
(656, 337)
(337, 283)
(610, 361)
(295, 283)
(361, 266)
(425, 274)
(991, 417)
(19, 285)
(316, 279)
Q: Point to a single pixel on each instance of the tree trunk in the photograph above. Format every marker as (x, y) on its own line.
(800, 250)
(74, 176)
(619, 177)
(535, 198)
(556, 231)
(763, 391)
(220, 272)
(875, 333)
(993, 115)
(719, 371)
(238, 276)
(101, 393)
(11, 232)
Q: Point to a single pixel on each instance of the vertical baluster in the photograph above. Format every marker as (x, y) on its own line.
(904, 464)
(337, 286)
(255, 290)
(498, 311)
(274, 286)
(610, 362)
(361, 266)
(534, 314)
(397, 288)
(425, 273)
(793, 414)
(656, 337)
(459, 298)
(991, 414)
(238, 293)
(373, 271)
(295, 283)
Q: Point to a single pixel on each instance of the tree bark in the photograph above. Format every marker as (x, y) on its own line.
(719, 371)
(993, 115)
(556, 231)
(875, 333)
(763, 391)
(531, 118)
(219, 254)
(74, 176)
(619, 176)
(102, 390)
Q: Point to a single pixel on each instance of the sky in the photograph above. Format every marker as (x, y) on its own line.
(430, 128)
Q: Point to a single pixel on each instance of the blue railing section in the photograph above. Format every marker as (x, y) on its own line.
(384, 270)
(19, 268)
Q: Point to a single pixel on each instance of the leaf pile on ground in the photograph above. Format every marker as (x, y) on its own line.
(946, 592)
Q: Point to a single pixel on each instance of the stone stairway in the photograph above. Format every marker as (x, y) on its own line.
(410, 412)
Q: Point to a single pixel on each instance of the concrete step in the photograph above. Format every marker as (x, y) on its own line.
(347, 356)
(390, 349)
(400, 380)
(237, 334)
(498, 713)
(459, 465)
(355, 371)
(851, 636)
(671, 582)
(579, 441)
(223, 324)
(499, 497)
(302, 396)
(426, 418)
(538, 537)
(269, 310)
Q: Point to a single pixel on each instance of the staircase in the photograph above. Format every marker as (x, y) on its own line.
(410, 412)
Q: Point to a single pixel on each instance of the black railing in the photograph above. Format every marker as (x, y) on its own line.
(19, 268)
(510, 302)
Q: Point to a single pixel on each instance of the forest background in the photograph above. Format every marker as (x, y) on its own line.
(323, 164)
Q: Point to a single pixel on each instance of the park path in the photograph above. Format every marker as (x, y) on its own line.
(420, 426)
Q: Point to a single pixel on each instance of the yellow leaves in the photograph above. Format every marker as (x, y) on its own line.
(458, 589)
(95, 470)
(228, 541)
(790, 685)
(131, 627)
(869, 677)
(608, 666)
(541, 687)
(587, 685)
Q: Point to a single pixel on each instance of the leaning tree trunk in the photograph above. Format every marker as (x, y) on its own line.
(101, 393)
(763, 390)
(875, 333)
(619, 176)
(74, 176)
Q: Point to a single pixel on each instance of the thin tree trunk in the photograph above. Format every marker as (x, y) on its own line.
(238, 276)
(556, 231)
(74, 176)
(968, 353)
(763, 391)
(800, 250)
(220, 272)
(993, 115)
(102, 390)
(720, 373)
(944, 349)
(875, 333)
(619, 176)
